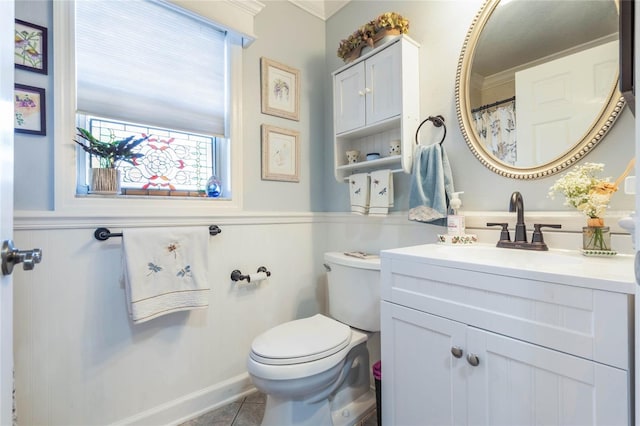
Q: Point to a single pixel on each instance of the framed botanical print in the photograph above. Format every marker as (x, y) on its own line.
(280, 89)
(29, 110)
(280, 154)
(30, 51)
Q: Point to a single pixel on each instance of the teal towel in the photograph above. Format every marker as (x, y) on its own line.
(431, 185)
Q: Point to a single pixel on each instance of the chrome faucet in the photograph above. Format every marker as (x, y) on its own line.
(517, 205)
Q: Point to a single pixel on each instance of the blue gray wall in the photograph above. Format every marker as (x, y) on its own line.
(286, 34)
(34, 154)
(291, 36)
(440, 27)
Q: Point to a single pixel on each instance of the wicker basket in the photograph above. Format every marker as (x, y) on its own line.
(105, 181)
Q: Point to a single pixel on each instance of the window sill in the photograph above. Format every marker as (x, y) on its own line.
(153, 194)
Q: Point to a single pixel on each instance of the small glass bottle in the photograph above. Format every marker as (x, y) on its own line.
(214, 187)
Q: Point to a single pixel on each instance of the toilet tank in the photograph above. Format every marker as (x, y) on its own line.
(354, 290)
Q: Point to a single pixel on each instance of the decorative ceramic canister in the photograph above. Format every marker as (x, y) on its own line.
(394, 147)
(352, 156)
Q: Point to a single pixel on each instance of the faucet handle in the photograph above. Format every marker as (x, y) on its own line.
(504, 234)
(537, 233)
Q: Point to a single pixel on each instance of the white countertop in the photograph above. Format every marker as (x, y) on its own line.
(570, 267)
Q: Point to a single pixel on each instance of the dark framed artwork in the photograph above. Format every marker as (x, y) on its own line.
(30, 47)
(29, 110)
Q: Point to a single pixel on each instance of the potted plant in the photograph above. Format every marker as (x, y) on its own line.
(390, 23)
(387, 24)
(349, 48)
(106, 178)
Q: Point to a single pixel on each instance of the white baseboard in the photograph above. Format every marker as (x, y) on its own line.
(194, 404)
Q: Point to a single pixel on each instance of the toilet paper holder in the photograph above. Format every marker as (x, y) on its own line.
(236, 275)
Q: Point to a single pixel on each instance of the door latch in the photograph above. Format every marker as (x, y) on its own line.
(11, 256)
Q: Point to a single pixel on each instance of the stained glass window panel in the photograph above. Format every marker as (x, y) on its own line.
(173, 160)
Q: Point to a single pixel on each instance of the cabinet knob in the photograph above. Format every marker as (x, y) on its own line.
(456, 351)
(360, 92)
(473, 359)
(367, 90)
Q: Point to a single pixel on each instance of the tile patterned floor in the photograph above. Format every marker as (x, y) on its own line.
(247, 411)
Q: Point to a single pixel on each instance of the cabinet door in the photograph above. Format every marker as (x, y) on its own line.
(422, 382)
(384, 84)
(349, 99)
(517, 383)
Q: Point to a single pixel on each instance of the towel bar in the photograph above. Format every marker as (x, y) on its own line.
(236, 275)
(103, 234)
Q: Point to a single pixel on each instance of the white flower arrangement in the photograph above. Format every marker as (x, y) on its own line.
(584, 190)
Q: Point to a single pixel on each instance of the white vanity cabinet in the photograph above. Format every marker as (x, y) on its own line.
(474, 342)
(376, 101)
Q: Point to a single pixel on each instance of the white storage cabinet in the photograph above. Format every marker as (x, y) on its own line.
(463, 347)
(376, 101)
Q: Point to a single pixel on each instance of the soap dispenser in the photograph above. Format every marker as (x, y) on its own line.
(455, 221)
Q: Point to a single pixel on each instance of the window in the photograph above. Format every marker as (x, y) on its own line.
(174, 162)
(158, 71)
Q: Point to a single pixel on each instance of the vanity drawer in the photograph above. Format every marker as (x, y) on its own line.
(589, 323)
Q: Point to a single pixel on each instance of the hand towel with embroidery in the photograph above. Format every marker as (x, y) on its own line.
(431, 185)
(165, 270)
(381, 195)
(359, 193)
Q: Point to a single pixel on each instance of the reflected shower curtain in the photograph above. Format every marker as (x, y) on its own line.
(496, 129)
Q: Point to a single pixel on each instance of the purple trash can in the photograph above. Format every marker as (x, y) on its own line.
(377, 377)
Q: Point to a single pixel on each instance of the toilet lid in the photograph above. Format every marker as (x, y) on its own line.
(302, 340)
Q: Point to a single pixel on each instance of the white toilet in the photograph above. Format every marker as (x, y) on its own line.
(315, 371)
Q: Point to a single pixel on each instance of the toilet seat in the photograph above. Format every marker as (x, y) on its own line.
(303, 370)
(301, 341)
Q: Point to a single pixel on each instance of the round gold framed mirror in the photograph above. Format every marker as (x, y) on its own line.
(537, 83)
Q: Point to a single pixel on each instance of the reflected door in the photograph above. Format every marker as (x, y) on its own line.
(559, 98)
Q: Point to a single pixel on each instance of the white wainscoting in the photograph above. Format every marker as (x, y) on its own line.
(80, 361)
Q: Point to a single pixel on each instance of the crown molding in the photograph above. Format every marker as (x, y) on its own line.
(508, 75)
(252, 7)
(322, 9)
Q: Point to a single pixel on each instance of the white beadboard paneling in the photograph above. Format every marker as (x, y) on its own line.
(79, 360)
(191, 406)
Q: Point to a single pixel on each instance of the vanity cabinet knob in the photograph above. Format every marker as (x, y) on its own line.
(360, 92)
(456, 351)
(473, 359)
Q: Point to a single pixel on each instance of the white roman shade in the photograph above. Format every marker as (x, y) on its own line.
(147, 62)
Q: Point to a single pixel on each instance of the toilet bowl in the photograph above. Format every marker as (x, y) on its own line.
(315, 370)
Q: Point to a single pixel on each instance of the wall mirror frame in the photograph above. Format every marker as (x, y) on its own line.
(591, 136)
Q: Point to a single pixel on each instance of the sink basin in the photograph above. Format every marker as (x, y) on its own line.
(490, 254)
(562, 266)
